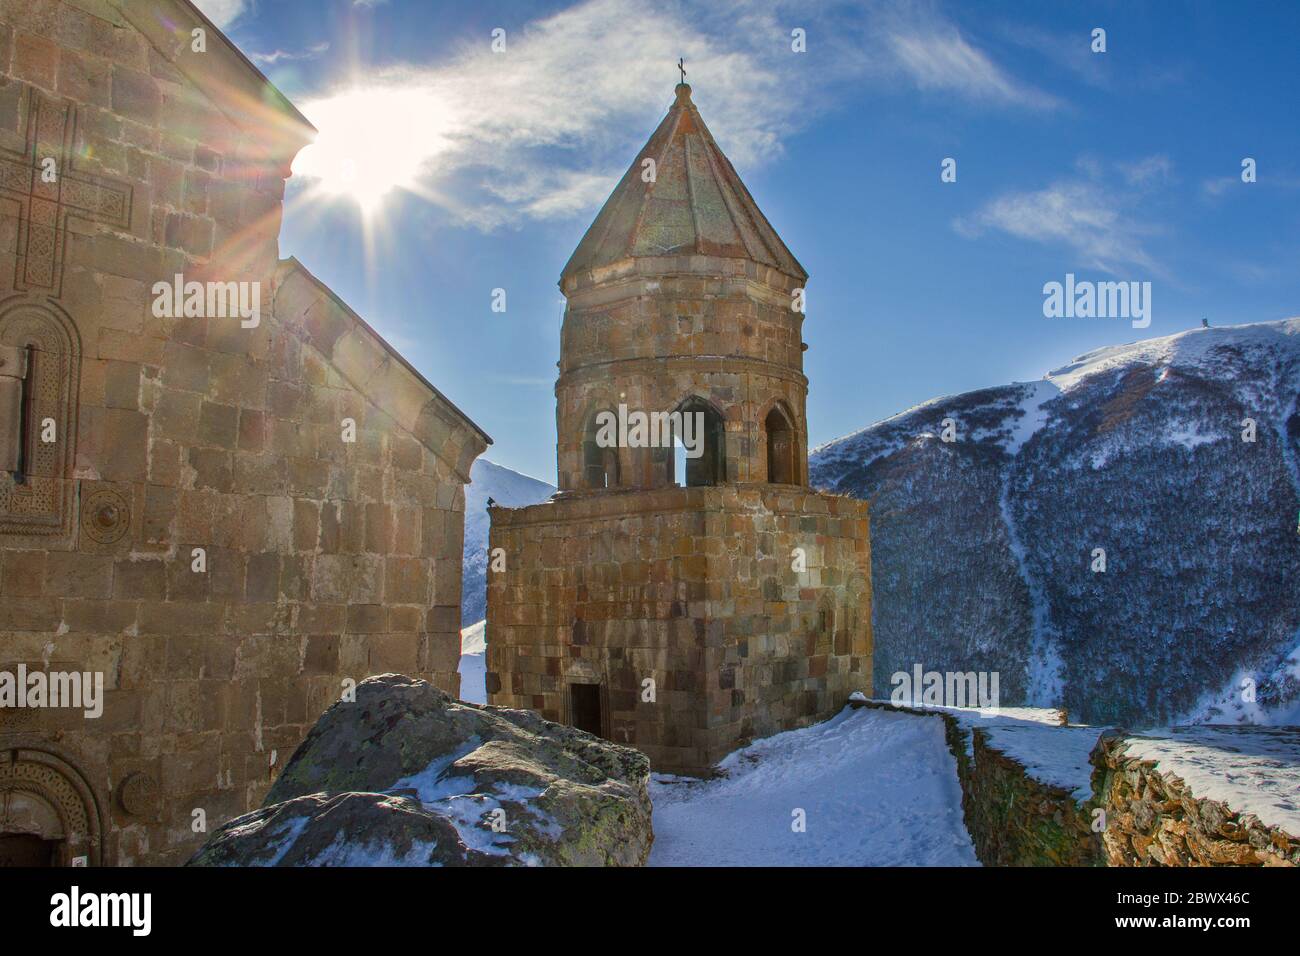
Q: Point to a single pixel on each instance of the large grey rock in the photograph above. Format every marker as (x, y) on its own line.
(405, 775)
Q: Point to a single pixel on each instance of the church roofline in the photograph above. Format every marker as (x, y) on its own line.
(222, 71)
(315, 329)
(704, 209)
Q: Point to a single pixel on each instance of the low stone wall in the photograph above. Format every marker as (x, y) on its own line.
(1154, 819)
(1013, 819)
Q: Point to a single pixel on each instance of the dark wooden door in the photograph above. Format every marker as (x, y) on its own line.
(23, 849)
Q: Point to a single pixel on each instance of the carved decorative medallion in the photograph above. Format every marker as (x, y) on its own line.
(137, 795)
(105, 516)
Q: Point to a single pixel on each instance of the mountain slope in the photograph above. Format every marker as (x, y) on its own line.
(983, 547)
(510, 488)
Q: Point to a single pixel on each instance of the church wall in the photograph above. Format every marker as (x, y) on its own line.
(787, 646)
(326, 560)
(693, 588)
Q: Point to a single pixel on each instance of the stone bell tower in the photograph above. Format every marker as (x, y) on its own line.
(681, 604)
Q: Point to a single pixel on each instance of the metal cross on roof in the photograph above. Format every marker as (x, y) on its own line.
(682, 67)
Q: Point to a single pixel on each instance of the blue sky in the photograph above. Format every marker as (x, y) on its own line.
(445, 170)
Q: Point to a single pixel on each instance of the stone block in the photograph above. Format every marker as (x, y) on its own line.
(36, 60)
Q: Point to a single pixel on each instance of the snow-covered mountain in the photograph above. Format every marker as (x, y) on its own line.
(984, 547)
(510, 488)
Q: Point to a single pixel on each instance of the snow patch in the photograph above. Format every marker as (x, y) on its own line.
(345, 853)
(1034, 737)
(1187, 434)
(1035, 414)
(1254, 770)
(454, 797)
(877, 788)
(473, 663)
(1193, 348)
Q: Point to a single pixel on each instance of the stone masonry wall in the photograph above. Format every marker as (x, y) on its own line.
(693, 588)
(325, 560)
(1015, 820)
(1154, 819)
(655, 331)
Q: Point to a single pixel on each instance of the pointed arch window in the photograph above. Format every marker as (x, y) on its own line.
(779, 432)
(599, 462)
(15, 409)
(702, 441)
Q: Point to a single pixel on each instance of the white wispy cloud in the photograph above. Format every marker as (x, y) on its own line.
(1219, 185)
(946, 61)
(1070, 51)
(223, 13)
(1147, 171)
(280, 56)
(545, 128)
(1098, 223)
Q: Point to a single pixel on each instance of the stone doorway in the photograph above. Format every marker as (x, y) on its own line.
(24, 849)
(48, 813)
(584, 707)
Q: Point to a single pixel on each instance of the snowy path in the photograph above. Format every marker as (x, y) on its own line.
(877, 788)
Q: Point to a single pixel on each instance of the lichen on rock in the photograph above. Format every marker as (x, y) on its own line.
(406, 775)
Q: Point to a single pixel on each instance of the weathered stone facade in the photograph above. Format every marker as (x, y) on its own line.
(691, 588)
(200, 531)
(681, 614)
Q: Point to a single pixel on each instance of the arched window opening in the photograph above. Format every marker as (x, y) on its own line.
(40, 355)
(599, 460)
(700, 440)
(780, 448)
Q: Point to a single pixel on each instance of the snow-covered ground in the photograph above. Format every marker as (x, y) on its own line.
(876, 788)
(473, 667)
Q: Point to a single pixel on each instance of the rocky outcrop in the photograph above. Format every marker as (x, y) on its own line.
(1153, 817)
(405, 775)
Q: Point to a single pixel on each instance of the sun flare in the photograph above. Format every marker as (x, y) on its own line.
(372, 142)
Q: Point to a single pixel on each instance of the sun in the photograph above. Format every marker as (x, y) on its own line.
(372, 143)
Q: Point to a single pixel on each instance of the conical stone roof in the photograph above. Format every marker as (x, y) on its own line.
(695, 205)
